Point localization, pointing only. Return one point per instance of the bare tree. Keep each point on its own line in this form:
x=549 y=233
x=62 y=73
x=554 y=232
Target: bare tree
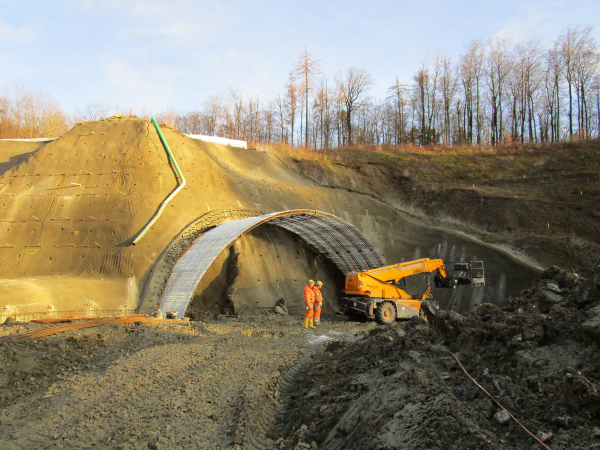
x=586 y=64
x=93 y=110
x=305 y=69
x=237 y=113
x=27 y=114
x=553 y=92
x=596 y=90
x=577 y=52
x=397 y=95
x=282 y=117
x=212 y=114
x=497 y=71
x=420 y=90
x=471 y=70
x=292 y=102
x=321 y=117
x=528 y=71
x=353 y=85
x=4 y=113
x=168 y=116
x=448 y=87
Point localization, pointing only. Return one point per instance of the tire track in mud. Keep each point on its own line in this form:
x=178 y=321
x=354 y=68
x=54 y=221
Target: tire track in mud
x=219 y=385
x=269 y=410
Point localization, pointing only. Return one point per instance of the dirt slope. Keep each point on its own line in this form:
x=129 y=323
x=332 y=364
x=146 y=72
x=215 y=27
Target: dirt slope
x=400 y=387
x=74 y=206
x=540 y=199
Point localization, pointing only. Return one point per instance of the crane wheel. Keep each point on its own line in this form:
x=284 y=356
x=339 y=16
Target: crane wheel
x=385 y=313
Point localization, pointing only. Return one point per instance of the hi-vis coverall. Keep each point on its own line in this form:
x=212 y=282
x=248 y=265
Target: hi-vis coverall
x=309 y=299
x=317 y=305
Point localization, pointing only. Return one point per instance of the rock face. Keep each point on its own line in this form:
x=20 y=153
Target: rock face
x=279 y=310
x=591 y=327
x=71 y=209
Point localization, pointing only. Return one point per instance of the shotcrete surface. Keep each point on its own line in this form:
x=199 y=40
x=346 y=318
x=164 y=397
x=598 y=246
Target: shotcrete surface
x=73 y=207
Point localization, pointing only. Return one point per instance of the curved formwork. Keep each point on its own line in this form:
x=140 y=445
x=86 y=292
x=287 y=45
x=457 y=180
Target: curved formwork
x=340 y=242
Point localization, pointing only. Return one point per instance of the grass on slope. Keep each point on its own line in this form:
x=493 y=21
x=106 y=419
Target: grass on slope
x=544 y=199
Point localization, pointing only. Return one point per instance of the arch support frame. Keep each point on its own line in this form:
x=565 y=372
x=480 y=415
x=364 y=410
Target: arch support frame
x=337 y=240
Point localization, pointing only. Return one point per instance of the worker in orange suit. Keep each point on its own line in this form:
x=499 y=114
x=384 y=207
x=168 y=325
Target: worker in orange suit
x=309 y=299
x=318 y=303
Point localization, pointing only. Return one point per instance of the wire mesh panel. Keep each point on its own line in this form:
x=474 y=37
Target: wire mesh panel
x=340 y=242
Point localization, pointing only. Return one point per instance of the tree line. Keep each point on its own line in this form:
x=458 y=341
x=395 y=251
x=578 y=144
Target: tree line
x=495 y=92
x=27 y=114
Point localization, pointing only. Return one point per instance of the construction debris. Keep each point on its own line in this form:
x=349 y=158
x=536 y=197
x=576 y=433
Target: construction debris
x=394 y=390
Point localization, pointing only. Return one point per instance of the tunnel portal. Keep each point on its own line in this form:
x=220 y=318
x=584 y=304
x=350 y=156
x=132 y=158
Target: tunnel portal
x=333 y=238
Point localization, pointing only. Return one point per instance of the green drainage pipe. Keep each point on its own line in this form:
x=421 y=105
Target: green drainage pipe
x=173 y=194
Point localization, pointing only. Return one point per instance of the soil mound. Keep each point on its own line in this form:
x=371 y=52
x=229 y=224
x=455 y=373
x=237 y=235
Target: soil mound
x=71 y=209
x=400 y=387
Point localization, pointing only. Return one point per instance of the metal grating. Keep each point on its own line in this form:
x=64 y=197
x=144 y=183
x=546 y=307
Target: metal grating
x=337 y=240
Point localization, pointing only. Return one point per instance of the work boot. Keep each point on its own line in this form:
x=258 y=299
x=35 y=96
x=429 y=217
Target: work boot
x=317 y=323
x=310 y=322
x=306 y=323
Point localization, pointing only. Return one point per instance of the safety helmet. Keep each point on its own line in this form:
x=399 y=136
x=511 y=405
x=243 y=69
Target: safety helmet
x=311 y=281
x=319 y=283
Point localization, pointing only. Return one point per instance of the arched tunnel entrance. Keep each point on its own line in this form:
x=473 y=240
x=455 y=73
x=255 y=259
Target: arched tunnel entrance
x=337 y=241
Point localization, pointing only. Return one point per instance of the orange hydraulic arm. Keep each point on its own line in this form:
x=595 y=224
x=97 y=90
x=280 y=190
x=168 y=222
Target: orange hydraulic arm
x=382 y=282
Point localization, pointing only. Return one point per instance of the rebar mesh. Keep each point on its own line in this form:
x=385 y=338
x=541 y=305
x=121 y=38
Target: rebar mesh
x=342 y=243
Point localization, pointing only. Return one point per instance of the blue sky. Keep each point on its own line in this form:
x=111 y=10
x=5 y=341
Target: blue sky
x=155 y=55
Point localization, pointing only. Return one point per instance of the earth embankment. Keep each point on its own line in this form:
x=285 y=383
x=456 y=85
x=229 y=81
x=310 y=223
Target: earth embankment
x=541 y=200
x=72 y=208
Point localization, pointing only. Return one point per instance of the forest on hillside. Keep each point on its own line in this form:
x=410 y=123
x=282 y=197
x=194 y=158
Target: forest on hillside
x=495 y=92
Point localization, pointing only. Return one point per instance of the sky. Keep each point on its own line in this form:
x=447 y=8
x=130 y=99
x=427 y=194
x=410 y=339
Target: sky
x=155 y=55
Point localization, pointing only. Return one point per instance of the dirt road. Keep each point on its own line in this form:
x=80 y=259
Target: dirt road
x=262 y=381
x=208 y=385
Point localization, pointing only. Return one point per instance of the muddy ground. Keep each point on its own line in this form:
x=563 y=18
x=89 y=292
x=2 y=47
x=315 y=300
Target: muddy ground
x=222 y=383
x=263 y=381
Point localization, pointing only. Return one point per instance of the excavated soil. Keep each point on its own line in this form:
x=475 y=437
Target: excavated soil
x=69 y=212
x=262 y=381
x=70 y=209
x=222 y=383
x=401 y=387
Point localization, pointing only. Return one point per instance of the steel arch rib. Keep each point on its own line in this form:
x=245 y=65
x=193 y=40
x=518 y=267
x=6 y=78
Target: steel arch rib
x=342 y=243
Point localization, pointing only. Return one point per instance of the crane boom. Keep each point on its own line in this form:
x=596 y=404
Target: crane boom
x=367 y=292
x=401 y=270
x=385 y=282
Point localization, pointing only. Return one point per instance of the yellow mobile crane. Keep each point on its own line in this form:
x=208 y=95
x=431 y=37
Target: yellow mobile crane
x=378 y=293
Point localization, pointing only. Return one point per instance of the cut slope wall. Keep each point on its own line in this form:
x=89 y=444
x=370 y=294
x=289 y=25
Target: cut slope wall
x=70 y=211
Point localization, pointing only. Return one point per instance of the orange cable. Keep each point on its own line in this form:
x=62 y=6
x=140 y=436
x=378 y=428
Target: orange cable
x=496 y=401
x=89 y=324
